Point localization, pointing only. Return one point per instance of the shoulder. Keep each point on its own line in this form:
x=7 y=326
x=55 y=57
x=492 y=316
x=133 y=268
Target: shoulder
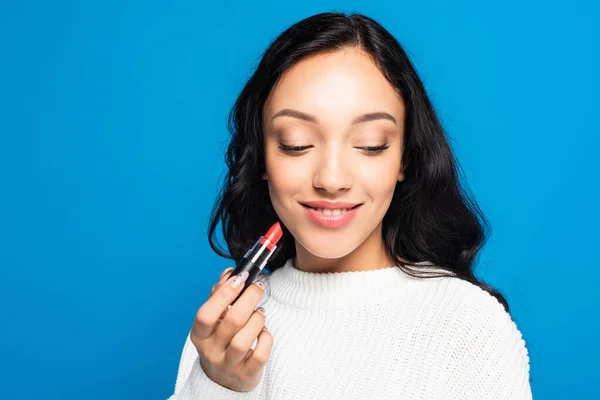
x=480 y=326
x=465 y=300
x=471 y=306
x=463 y=309
x=477 y=308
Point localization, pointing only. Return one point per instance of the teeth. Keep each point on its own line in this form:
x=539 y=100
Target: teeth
x=327 y=211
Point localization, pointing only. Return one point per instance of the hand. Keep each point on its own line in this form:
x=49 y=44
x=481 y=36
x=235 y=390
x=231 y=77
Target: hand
x=224 y=335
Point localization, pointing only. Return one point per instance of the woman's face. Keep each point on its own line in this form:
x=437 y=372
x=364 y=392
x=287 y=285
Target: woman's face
x=318 y=149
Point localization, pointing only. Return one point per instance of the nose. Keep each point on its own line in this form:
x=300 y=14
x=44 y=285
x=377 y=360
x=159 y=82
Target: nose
x=332 y=173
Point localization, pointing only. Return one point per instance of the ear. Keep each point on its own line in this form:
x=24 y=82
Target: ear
x=401 y=173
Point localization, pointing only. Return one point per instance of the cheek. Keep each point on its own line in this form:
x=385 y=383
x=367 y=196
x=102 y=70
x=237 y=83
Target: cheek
x=285 y=180
x=379 y=176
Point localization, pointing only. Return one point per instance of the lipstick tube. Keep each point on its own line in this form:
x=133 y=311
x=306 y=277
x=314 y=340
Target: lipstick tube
x=257 y=256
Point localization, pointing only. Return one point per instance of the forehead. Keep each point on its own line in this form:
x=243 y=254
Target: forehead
x=335 y=86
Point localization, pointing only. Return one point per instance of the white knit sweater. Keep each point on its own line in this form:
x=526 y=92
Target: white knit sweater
x=377 y=334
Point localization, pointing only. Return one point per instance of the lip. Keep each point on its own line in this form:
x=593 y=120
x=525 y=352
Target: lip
x=331 y=221
x=329 y=204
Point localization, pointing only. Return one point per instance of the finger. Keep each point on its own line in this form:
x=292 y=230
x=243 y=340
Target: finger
x=224 y=276
x=238 y=315
x=225 y=273
x=214 y=307
x=242 y=341
x=258 y=357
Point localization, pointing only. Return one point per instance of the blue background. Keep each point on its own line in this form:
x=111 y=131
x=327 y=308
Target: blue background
x=112 y=121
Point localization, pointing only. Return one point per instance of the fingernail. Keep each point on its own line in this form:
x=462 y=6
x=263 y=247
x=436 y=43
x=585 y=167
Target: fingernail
x=239 y=279
x=261 y=310
x=265 y=329
x=225 y=272
x=260 y=284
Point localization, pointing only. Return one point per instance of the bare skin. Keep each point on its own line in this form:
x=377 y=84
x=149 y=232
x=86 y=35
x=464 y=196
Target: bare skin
x=322 y=151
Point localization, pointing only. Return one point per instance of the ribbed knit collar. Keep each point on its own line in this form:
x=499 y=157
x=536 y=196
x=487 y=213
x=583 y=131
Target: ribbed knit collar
x=335 y=290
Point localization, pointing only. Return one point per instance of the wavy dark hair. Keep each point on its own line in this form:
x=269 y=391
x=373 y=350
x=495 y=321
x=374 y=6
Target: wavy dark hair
x=431 y=217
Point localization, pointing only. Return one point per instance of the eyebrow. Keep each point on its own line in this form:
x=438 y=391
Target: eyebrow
x=287 y=112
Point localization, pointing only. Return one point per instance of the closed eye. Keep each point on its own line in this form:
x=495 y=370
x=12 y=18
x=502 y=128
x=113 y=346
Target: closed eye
x=293 y=149
x=375 y=149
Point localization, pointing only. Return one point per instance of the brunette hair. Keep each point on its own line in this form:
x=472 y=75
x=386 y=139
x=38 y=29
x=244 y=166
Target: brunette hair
x=432 y=217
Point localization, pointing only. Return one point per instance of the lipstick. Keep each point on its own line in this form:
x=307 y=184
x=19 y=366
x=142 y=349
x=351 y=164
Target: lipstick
x=256 y=258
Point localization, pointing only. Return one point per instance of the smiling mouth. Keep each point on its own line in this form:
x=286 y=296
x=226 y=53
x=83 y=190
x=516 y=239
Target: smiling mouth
x=331 y=212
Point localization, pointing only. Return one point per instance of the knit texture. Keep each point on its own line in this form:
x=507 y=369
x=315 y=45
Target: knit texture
x=377 y=334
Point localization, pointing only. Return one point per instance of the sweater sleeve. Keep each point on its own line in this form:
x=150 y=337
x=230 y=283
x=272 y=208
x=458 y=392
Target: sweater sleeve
x=193 y=384
x=493 y=362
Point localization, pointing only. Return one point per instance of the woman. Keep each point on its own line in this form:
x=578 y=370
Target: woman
x=372 y=293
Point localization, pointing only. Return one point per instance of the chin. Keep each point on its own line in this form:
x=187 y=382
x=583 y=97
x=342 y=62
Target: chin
x=328 y=249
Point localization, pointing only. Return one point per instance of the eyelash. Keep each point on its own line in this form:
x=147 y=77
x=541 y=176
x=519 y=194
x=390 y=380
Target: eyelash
x=297 y=149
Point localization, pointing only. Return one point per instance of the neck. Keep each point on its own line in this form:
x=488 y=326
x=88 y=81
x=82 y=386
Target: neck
x=370 y=255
